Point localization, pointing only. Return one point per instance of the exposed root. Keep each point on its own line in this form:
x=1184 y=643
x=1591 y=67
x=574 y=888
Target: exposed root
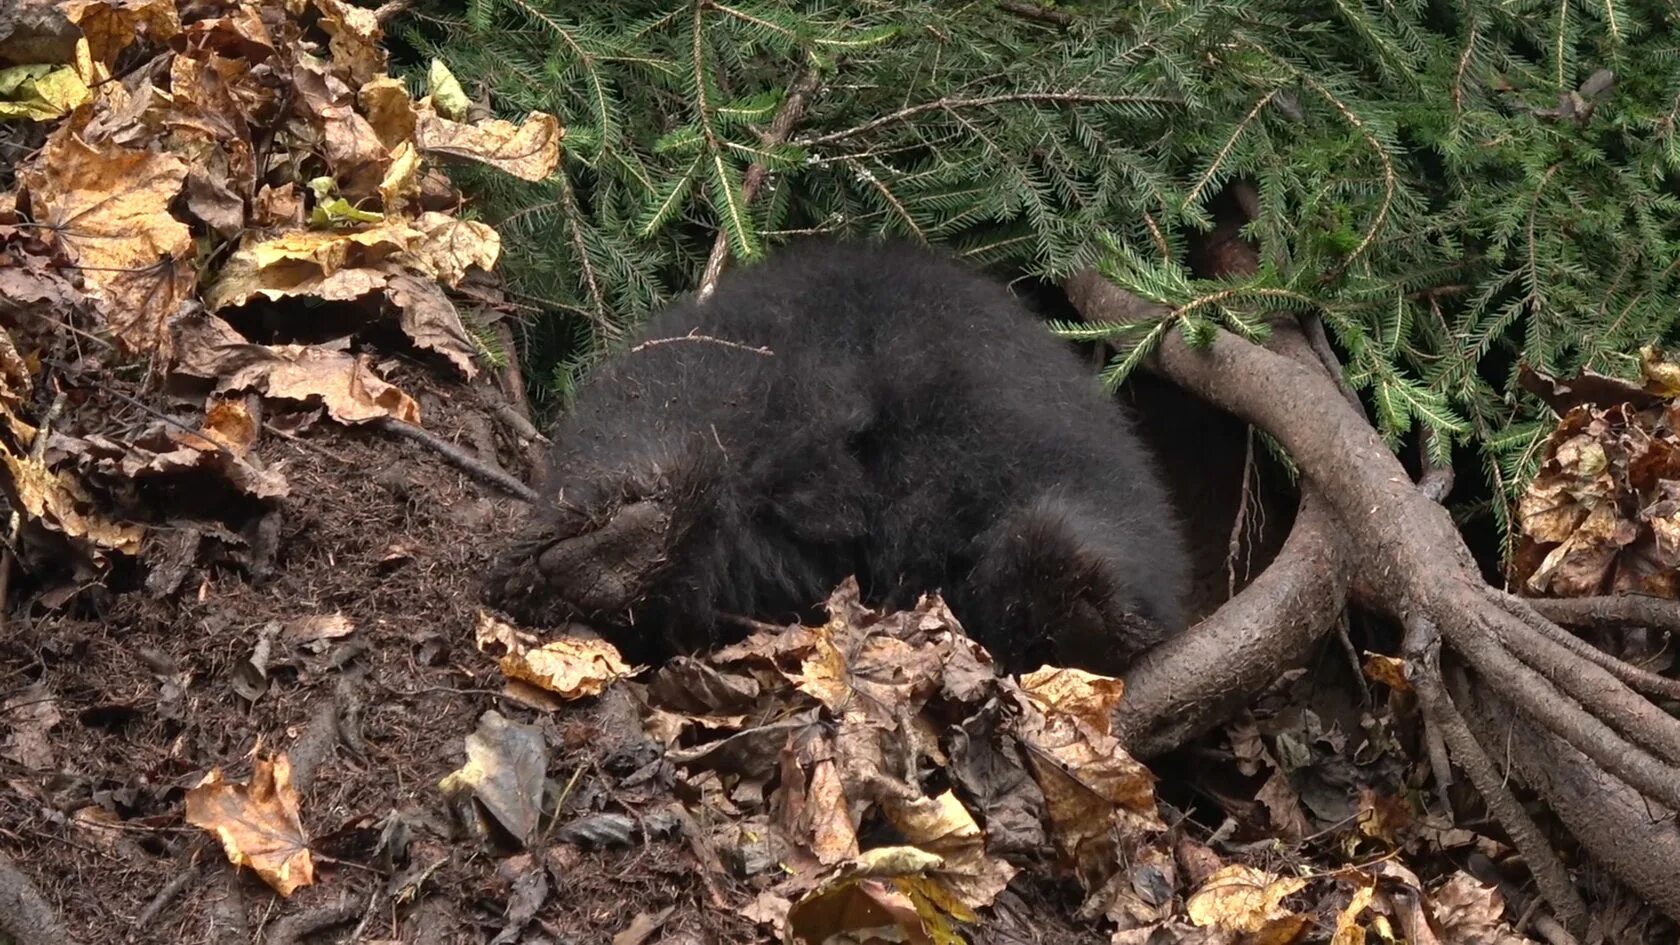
x=1612 y=743
x=1618 y=612
x=1423 y=659
x=26 y=918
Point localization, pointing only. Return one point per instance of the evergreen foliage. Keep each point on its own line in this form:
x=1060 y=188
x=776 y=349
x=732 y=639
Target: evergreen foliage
x=1452 y=189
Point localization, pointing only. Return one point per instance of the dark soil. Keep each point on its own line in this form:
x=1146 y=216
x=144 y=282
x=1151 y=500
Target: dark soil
x=148 y=692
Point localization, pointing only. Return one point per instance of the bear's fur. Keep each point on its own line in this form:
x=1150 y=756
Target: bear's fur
x=852 y=409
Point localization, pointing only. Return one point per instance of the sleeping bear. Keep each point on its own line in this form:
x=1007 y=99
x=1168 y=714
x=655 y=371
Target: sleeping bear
x=851 y=409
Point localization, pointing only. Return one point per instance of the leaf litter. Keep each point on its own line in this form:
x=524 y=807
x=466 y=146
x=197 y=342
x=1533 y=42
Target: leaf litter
x=249 y=254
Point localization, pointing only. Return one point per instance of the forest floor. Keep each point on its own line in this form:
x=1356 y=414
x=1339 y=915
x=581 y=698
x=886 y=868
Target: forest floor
x=249 y=693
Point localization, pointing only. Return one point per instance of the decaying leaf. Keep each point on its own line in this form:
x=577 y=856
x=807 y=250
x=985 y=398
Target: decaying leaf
x=506 y=764
x=1470 y=913
x=1086 y=696
x=573 y=668
x=1244 y=899
x=62 y=504
x=344 y=383
x=109 y=206
x=529 y=150
x=257 y=823
x=1600 y=515
x=111 y=26
x=1348 y=928
x=31 y=713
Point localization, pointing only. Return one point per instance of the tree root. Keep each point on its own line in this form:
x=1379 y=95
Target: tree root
x=1621 y=612
x=1613 y=745
x=1192 y=682
x=26 y=917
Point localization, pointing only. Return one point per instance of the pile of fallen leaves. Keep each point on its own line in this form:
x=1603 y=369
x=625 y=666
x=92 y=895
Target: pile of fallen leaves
x=220 y=200
x=1602 y=515
x=876 y=779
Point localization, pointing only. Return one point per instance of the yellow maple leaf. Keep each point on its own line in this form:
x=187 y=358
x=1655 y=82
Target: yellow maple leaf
x=109 y=206
x=257 y=823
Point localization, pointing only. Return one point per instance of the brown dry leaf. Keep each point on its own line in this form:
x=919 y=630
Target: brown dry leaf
x=59 y=502
x=529 y=150
x=1470 y=913
x=450 y=246
x=1578 y=566
x=489 y=631
x=335 y=266
x=833 y=835
x=109 y=206
x=352 y=149
x=277 y=207
x=1388 y=670
x=317 y=627
x=573 y=667
x=209 y=348
x=229 y=423
x=1383 y=816
x=1348 y=930
x=355 y=39
x=1244 y=899
x=112 y=25
x=389 y=111
x=257 y=823
x=864 y=901
x=943 y=826
x=1084 y=695
x=401 y=184
x=31 y=714
x=430 y=320
x=506 y=763
x=1662 y=377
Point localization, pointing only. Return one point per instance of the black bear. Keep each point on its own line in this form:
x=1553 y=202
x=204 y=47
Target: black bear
x=877 y=410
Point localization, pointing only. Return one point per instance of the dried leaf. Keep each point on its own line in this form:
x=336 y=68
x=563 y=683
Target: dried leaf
x=529 y=150
x=1243 y=899
x=1388 y=670
x=573 y=668
x=430 y=320
x=318 y=627
x=449 y=247
x=355 y=43
x=943 y=826
x=1086 y=696
x=389 y=110
x=31 y=714
x=111 y=26
x=229 y=423
x=344 y=384
x=506 y=763
x=1348 y=930
x=1470 y=913
x=62 y=504
x=40 y=92
x=257 y=823
x=110 y=209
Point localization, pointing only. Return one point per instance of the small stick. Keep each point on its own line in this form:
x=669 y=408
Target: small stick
x=458 y=457
x=793 y=108
x=705 y=339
